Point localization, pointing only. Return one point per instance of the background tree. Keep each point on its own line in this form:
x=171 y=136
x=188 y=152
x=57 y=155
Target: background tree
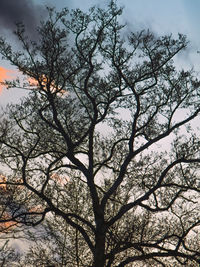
x=82 y=145
x=8 y=255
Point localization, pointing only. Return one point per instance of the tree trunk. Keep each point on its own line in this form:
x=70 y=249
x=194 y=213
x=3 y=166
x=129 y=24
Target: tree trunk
x=99 y=255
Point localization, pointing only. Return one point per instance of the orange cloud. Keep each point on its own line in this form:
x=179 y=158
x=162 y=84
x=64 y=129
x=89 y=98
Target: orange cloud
x=5 y=74
x=5 y=227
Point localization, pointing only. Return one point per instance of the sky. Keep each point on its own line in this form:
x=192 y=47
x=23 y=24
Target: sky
x=160 y=16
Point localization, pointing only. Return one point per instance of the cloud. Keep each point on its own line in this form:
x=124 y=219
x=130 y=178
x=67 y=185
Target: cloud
x=14 y=11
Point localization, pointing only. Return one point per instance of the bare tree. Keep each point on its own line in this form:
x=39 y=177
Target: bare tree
x=82 y=146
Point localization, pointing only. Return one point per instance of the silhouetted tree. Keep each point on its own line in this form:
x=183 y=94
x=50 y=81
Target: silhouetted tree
x=82 y=146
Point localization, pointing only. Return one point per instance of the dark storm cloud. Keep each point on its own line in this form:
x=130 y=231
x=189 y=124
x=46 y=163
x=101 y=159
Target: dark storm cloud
x=14 y=11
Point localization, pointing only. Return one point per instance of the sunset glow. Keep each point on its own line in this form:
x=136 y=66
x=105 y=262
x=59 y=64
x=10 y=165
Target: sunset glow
x=5 y=74
x=43 y=80
x=5 y=226
x=61 y=180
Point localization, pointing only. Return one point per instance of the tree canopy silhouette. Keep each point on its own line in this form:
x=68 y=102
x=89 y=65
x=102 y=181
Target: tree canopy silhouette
x=82 y=146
